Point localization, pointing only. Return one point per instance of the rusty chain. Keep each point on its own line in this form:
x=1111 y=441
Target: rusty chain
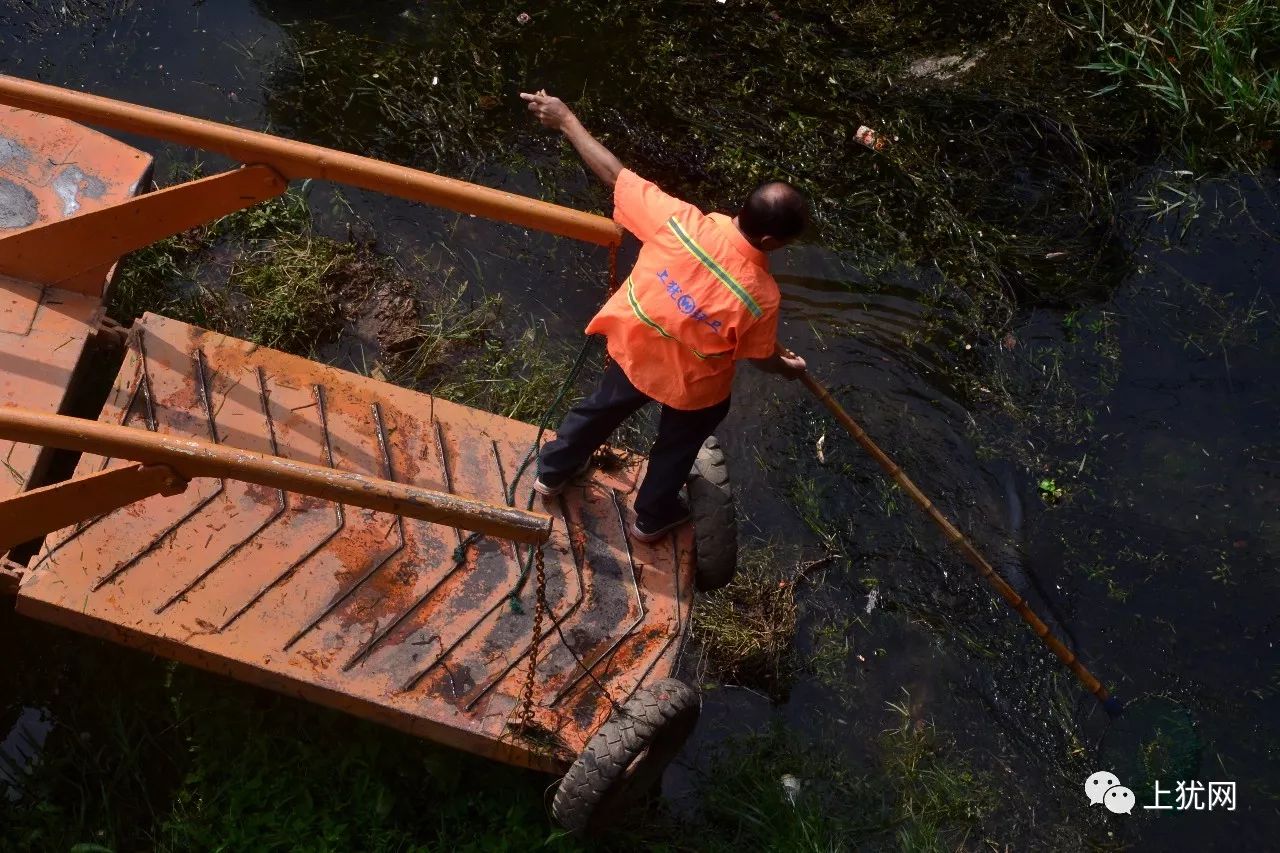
x=526 y=713
x=540 y=603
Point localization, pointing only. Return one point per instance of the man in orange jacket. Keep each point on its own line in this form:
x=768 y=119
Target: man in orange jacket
x=699 y=299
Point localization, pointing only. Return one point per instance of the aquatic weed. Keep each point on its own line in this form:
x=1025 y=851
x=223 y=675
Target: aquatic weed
x=1209 y=66
x=441 y=333
x=775 y=791
x=746 y=631
x=516 y=375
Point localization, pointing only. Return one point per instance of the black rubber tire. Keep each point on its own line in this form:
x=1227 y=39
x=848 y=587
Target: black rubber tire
x=715 y=519
x=626 y=756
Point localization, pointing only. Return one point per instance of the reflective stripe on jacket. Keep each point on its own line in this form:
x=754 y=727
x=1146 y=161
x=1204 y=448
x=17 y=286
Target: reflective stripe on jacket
x=699 y=298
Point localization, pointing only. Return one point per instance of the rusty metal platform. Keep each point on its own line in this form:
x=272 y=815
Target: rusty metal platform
x=51 y=169
x=404 y=622
x=43 y=335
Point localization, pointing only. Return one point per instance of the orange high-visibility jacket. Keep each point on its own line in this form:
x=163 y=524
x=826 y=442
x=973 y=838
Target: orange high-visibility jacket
x=699 y=298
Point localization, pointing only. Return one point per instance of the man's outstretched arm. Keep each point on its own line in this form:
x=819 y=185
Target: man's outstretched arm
x=553 y=113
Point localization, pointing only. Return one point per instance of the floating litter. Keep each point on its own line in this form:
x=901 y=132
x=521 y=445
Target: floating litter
x=790 y=787
x=871 y=139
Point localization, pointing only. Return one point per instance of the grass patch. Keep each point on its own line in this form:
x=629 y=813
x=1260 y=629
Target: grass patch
x=258 y=274
x=185 y=761
x=443 y=333
x=775 y=792
x=937 y=796
x=747 y=629
x=1208 y=67
x=287 y=293
x=165 y=275
x=463 y=350
x=832 y=650
x=515 y=375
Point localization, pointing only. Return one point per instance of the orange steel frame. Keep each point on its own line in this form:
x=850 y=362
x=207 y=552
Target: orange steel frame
x=297 y=160
x=40 y=254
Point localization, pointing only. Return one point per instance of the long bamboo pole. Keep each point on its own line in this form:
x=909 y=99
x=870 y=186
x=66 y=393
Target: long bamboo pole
x=190 y=458
x=955 y=537
x=296 y=160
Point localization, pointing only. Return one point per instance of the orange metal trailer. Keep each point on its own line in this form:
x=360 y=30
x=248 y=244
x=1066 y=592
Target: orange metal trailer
x=302 y=528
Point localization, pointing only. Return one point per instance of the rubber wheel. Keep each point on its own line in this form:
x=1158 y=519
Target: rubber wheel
x=625 y=758
x=715 y=520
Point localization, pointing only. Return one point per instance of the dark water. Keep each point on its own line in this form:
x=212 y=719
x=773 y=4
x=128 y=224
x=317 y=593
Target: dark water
x=1157 y=415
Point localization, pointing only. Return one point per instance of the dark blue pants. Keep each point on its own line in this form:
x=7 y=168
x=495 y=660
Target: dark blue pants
x=589 y=424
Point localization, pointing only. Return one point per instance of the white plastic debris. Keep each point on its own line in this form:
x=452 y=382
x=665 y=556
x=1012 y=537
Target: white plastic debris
x=942 y=67
x=790 y=787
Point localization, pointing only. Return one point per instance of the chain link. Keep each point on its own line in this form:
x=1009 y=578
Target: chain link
x=526 y=713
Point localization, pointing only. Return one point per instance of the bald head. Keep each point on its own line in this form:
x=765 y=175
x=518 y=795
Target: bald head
x=774 y=209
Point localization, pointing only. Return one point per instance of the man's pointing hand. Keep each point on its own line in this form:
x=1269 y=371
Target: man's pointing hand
x=550 y=110
x=553 y=113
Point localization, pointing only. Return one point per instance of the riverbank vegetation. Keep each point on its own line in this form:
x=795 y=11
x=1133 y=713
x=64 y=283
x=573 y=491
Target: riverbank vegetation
x=267 y=276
